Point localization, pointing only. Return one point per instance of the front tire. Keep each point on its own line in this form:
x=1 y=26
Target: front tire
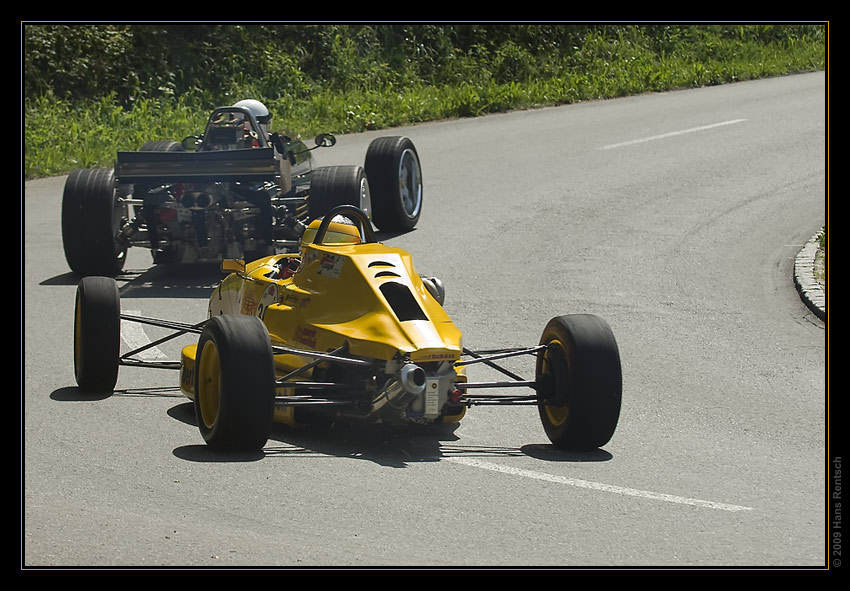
x=91 y=221
x=234 y=383
x=580 y=381
x=97 y=334
x=395 y=176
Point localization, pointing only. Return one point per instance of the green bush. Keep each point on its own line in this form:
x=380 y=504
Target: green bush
x=91 y=89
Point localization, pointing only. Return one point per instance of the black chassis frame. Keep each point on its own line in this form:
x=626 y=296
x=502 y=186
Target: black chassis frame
x=487 y=357
x=281 y=163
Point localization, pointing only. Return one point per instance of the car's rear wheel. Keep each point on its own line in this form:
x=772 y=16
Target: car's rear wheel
x=234 y=383
x=332 y=186
x=580 y=382
x=91 y=221
x=161 y=146
x=97 y=334
x=395 y=176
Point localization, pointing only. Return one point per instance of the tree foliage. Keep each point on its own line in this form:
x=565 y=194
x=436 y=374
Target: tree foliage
x=92 y=89
x=80 y=62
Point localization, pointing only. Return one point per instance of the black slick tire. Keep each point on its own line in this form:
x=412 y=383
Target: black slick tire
x=580 y=382
x=395 y=177
x=332 y=186
x=91 y=220
x=234 y=383
x=97 y=334
x=161 y=146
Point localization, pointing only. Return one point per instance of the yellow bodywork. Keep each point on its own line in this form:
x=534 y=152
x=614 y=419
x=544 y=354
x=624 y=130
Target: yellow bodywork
x=365 y=295
x=336 y=296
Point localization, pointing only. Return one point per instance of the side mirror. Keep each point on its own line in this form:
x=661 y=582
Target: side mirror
x=325 y=140
x=233 y=266
x=191 y=143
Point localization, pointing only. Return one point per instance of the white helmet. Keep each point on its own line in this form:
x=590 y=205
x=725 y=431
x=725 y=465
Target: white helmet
x=257 y=109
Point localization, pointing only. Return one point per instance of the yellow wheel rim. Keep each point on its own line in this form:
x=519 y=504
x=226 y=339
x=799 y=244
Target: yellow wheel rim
x=557 y=415
x=209 y=384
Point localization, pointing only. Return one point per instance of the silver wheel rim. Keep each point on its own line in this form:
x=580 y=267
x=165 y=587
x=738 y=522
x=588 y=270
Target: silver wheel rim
x=365 y=198
x=410 y=183
x=119 y=220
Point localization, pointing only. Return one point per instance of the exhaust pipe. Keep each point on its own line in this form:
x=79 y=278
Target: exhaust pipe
x=412 y=378
x=408 y=383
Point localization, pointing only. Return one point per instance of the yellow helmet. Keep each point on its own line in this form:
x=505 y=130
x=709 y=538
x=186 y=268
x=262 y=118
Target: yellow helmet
x=341 y=230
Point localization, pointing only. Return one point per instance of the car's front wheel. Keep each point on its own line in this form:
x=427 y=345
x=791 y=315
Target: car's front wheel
x=97 y=334
x=395 y=177
x=579 y=382
x=234 y=383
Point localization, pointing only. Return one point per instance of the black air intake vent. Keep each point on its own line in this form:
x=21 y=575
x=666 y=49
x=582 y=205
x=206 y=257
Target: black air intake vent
x=402 y=301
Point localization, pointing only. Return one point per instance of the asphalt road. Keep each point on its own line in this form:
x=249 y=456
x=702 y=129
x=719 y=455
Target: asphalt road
x=674 y=216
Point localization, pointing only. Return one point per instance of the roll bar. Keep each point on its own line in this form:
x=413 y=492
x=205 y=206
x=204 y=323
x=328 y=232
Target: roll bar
x=350 y=211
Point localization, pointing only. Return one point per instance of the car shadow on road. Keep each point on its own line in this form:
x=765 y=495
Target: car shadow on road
x=160 y=281
x=389 y=446
x=380 y=444
x=171 y=281
x=183 y=280
x=74 y=394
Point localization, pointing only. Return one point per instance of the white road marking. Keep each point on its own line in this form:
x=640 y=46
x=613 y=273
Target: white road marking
x=671 y=134
x=631 y=492
x=134 y=335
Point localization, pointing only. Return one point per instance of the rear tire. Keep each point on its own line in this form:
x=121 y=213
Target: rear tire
x=97 y=334
x=161 y=146
x=581 y=380
x=91 y=221
x=234 y=383
x=395 y=176
x=332 y=186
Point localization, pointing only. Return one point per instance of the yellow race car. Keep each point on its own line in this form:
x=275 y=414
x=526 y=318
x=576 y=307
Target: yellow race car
x=348 y=328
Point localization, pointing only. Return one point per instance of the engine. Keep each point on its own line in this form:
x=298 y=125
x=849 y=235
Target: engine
x=417 y=394
x=204 y=223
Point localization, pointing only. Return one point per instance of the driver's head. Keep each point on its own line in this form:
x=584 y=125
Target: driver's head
x=259 y=111
x=341 y=230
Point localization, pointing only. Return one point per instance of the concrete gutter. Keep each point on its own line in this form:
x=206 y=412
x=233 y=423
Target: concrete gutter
x=811 y=290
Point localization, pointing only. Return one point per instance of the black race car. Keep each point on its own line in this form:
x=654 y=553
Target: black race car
x=235 y=192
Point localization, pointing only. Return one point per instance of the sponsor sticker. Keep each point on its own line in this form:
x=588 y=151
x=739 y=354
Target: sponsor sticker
x=330 y=265
x=432 y=396
x=249 y=303
x=306 y=336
